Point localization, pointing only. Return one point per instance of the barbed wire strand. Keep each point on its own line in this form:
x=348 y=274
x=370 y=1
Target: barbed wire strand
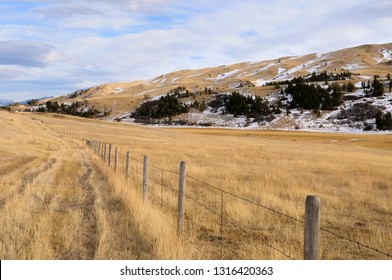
x=164 y=201
x=246 y=200
x=356 y=242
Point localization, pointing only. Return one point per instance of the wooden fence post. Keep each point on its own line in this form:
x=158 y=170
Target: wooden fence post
x=128 y=165
x=312 y=228
x=181 y=198
x=99 y=148
x=115 y=159
x=145 y=179
x=104 y=152
x=110 y=155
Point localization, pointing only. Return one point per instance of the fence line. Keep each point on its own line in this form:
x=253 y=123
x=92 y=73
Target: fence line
x=100 y=150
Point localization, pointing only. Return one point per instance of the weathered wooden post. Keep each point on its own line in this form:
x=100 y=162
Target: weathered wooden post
x=145 y=179
x=115 y=159
x=110 y=155
x=99 y=149
x=104 y=152
x=312 y=228
x=128 y=165
x=181 y=198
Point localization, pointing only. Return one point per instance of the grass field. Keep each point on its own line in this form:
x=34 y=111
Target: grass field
x=58 y=200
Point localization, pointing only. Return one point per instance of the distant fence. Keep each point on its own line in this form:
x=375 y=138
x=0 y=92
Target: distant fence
x=222 y=225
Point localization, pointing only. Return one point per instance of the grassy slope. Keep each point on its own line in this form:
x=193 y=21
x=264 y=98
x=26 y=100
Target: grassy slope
x=107 y=95
x=350 y=173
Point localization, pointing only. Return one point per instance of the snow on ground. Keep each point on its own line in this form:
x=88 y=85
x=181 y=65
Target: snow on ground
x=119 y=89
x=353 y=66
x=227 y=74
x=193 y=76
x=216 y=119
x=281 y=69
x=161 y=80
x=175 y=79
x=144 y=92
x=261 y=82
x=386 y=56
x=314 y=68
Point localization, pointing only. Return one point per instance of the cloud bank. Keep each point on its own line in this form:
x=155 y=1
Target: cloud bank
x=54 y=47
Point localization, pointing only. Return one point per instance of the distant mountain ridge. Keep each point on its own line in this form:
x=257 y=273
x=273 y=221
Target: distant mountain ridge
x=4 y=102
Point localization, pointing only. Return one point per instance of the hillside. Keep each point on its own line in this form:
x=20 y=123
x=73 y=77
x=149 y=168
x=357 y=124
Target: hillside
x=266 y=79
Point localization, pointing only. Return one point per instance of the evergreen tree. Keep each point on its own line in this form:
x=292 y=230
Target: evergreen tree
x=314 y=97
x=388 y=120
x=169 y=106
x=384 y=122
x=350 y=87
x=237 y=104
x=378 y=87
x=379 y=120
x=52 y=106
x=32 y=102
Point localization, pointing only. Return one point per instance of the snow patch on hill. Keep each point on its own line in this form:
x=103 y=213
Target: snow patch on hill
x=386 y=56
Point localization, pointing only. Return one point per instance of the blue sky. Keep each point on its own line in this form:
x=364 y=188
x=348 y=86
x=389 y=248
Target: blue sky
x=56 y=47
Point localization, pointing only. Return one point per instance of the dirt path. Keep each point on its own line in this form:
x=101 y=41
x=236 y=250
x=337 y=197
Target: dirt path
x=55 y=202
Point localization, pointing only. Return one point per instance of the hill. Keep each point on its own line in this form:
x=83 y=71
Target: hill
x=355 y=67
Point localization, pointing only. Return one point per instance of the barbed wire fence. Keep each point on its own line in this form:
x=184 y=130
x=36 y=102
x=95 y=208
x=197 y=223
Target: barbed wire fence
x=222 y=225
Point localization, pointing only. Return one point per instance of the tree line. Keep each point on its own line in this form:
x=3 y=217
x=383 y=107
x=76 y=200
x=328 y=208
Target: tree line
x=74 y=109
x=311 y=96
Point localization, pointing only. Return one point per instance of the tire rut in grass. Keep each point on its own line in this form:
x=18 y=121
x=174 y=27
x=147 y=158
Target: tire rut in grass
x=29 y=177
x=121 y=236
x=89 y=213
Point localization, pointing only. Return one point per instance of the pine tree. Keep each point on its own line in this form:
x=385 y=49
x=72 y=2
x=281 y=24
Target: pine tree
x=379 y=120
x=350 y=87
x=388 y=120
x=378 y=87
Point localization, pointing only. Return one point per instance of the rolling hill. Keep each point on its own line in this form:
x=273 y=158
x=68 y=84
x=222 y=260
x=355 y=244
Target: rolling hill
x=265 y=79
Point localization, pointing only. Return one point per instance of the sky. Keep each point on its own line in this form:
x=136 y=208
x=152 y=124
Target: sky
x=51 y=48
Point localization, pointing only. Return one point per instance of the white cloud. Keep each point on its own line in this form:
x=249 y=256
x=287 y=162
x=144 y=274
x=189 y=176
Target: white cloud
x=100 y=41
x=66 y=9
x=28 y=54
x=86 y=84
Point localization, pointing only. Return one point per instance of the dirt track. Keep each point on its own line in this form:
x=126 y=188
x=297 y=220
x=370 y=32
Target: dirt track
x=55 y=203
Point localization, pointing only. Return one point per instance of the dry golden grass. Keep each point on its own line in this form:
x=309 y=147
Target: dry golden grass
x=56 y=202
x=350 y=174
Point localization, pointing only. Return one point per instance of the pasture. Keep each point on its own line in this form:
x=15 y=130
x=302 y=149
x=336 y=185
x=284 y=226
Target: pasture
x=59 y=200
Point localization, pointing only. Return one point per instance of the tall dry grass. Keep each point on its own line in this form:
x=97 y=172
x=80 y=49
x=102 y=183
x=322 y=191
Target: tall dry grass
x=276 y=170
